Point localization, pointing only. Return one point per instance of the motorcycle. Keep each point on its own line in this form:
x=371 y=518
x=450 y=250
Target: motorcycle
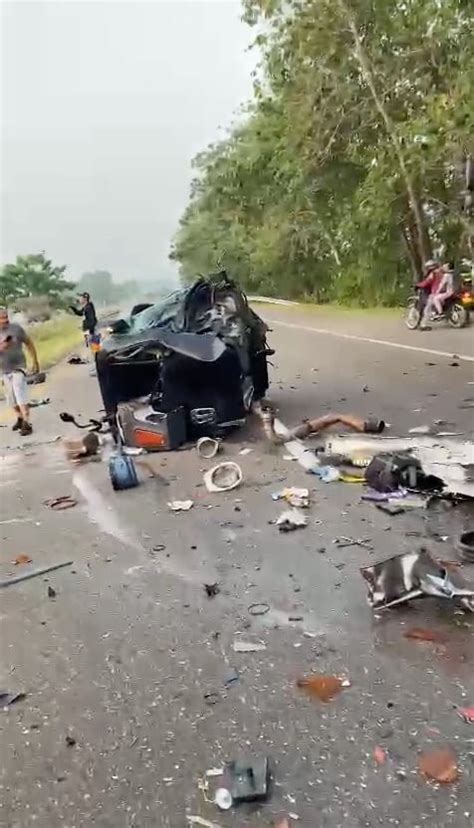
x=456 y=309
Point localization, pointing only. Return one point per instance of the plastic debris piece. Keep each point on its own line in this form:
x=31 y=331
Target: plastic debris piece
x=7 y=699
x=211 y=773
x=344 y=477
x=422 y=429
x=259 y=609
x=211 y=590
x=380 y=755
x=293 y=496
x=223 y=477
x=243 y=452
x=211 y=698
x=327 y=474
x=70 y=741
x=439 y=765
x=207 y=447
x=51 y=592
x=223 y=799
x=22 y=559
x=60 y=503
x=322 y=686
x=290 y=520
x=197 y=820
x=181 y=505
x=249 y=779
x=466 y=713
x=423 y=634
x=248 y=646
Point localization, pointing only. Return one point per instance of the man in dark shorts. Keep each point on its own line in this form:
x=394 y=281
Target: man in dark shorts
x=13 y=338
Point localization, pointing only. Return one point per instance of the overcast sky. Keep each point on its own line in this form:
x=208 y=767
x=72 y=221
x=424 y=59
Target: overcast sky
x=104 y=104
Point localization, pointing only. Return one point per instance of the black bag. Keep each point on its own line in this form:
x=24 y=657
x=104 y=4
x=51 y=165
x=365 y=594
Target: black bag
x=389 y=472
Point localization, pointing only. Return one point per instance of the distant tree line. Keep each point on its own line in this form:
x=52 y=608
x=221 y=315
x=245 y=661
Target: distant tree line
x=34 y=285
x=348 y=171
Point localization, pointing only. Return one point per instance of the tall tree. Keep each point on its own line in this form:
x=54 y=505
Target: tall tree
x=33 y=275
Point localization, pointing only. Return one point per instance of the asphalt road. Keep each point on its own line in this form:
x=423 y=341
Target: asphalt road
x=130 y=659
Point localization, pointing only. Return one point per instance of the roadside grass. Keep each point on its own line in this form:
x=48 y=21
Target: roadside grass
x=55 y=339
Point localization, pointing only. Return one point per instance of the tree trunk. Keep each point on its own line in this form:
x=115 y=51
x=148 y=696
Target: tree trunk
x=414 y=260
x=368 y=76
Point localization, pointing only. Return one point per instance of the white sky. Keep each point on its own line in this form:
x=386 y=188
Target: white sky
x=104 y=104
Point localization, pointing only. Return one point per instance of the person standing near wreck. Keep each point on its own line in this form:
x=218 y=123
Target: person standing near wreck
x=87 y=311
x=13 y=339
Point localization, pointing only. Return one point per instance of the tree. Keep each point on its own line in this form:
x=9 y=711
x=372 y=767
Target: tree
x=33 y=275
x=348 y=170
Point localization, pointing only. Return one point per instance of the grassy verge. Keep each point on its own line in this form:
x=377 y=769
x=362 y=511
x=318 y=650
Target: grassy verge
x=55 y=339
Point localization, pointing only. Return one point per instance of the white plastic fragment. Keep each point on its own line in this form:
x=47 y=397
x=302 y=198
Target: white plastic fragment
x=180 y=505
x=223 y=799
x=207 y=447
x=248 y=646
x=223 y=477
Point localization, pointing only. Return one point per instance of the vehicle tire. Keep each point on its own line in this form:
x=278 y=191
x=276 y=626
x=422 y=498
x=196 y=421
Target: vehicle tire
x=458 y=316
x=412 y=315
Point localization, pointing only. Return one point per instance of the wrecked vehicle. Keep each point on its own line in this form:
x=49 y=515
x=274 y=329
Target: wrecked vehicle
x=186 y=367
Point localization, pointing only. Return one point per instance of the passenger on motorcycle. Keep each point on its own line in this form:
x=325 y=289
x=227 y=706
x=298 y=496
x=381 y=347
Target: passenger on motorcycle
x=445 y=288
x=434 y=276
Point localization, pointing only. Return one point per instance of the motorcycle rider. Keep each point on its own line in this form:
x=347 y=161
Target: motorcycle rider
x=445 y=288
x=434 y=274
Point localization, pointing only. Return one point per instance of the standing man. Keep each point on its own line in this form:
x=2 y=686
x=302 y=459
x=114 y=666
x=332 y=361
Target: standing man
x=13 y=338
x=87 y=311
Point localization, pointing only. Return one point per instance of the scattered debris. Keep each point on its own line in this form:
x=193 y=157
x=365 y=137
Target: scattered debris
x=439 y=765
x=38 y=403
x=466 y=713
x=181 y=505
x=87 y=446
x=207 y=447
x=422 y=429
x=7 y=699
x=248 y=646
x=327 y=474
x=380 y=755
x=391 y=471
x=243 y=452
x=74 y=359
x=58 y=504
x=213 y=772
x=293 y=496
x=249 y=779
x=259 y=609
x=22 y=559
x=197 y=820
x=51 y=592
x=413 y=575
x=423 y=634
x=211 y=698
x=70 y=741
x=223 y=477
x=212 y=590
x=319 y=424
x=33 y=574
x=223 y=799
x=343 y=542
x=290 y=520
x=133 y=451
x=122 y=471
x=322 y=686
x=36 y=379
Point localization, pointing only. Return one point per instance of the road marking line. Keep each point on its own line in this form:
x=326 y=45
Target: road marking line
x=388 y=343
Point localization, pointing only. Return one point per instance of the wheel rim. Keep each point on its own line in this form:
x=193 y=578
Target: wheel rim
x=412 y=317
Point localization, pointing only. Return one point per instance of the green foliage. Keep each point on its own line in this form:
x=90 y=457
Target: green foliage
x=33 y=275
x=347 y=170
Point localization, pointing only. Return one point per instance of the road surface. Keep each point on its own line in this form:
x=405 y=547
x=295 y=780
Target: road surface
x=129 y=661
